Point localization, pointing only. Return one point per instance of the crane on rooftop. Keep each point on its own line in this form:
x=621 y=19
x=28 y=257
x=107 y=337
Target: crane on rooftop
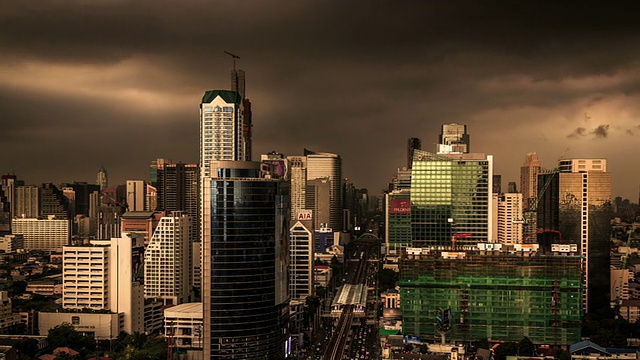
x=234 y=58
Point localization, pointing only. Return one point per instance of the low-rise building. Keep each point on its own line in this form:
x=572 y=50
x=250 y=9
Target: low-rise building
x=183 y=324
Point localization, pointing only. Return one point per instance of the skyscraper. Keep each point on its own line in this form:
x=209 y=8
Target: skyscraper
x=103 y=178
x=454 y=139
x=223 y=129
x=529 y=188
x=578 y=204
x=178 y=187
x=509 y=212
x=301 y=265
x=136 y=195
x=329 y=166
x=451 y=195
x=245 y=260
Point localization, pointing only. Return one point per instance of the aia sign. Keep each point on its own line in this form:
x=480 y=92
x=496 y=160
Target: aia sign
x=305 y=215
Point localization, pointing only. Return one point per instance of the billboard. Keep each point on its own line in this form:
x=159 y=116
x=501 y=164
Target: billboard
x=400 y=206
x=305 y=215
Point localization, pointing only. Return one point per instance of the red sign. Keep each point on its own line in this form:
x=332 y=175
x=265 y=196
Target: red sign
x=400 y=206
x=304 y=215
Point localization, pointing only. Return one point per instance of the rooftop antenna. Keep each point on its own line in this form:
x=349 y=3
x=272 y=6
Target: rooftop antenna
x=234 y=59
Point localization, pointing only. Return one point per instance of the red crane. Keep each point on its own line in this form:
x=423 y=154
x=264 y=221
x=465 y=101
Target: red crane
x=454 y=237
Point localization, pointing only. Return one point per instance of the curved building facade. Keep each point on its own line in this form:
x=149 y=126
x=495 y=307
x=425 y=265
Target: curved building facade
x=245 y=258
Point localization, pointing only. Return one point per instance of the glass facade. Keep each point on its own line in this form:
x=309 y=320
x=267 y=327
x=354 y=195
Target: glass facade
x=450 y=194
x=398 y=221
x=501 y=297
x=578 y=204
x=245 y=251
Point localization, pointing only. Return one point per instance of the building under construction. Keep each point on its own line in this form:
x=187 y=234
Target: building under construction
x=498 y=295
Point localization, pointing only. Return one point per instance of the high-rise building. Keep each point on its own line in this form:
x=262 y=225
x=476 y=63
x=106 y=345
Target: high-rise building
x=136 y=195
x=223 y=129
x=245 y=260
x=53 y=202
x=167 y=260
x=178 y=187
x=318 y=200
x=397 y=221
x=509 y=214
x=412 y=144
x=451 y=196
x=27 y=201
x=329 y=166
x=140 y=222
x=298 y=184
x=529 y=188
x=577 y=203
x=301 y=283
x=453 y=139
x=102 y=179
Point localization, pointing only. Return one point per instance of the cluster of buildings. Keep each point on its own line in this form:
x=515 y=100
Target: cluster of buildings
x=475 y=262
x=220 y=256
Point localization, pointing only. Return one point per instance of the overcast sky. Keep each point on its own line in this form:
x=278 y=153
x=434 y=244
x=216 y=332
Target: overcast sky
x=117 y=83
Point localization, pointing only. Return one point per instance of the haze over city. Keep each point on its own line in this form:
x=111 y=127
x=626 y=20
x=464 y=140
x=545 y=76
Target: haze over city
x=118 y=83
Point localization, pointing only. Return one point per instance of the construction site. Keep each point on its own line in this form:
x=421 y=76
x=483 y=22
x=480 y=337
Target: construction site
x=491 y=293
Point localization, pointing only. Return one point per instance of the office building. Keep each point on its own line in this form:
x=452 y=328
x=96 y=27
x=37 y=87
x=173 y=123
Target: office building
x=577 y=203
x=397 y=221
x=529 y=188
x=491 y=295
x=509 y=219
x=451 y=199
x=453 y=139
x=245 y=288
x=223 y=130
x=12 y=243
x=102 y=180
x=136 y=195
x=298 y=184
x=49 y=234
x=318 y=200
x=27 y=201
x=167 y=260
x=53 y=202
x=85 y=277
x=322 y=165
x=412 y=144
x=178 y=189
x=183 y=324
x=301 y=280
x=140 y=222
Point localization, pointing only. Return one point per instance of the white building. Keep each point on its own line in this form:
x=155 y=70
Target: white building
x=27 y=201
x=301 y=281
x=327 y=165
x=510 y=220
x=223 y=132
x=107 y=276
x=167 y=260
x=298 y=184
x=85 y=277
x=49 y=234
x=183 y=324
x=12 y=243
x=98 y=326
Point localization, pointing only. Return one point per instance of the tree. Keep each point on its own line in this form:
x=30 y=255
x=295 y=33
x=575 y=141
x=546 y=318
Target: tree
x=65 y=335
x=424 y=348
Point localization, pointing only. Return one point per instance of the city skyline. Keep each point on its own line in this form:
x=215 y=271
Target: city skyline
x=117 y=83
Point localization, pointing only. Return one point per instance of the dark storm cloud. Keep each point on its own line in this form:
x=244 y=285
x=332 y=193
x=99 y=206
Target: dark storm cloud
x=355 y=78
x=601 y=131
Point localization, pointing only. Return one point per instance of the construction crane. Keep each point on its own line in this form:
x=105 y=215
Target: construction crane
x=234 y=58
x=455 y=237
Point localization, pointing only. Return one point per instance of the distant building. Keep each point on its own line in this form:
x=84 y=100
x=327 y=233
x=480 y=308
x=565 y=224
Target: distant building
x=529 y=188
x=136 y=195
x=12 y=243
x=397 y=221
x=140 y=222
x=8 y=320
x=510 y=218
x=27 y=201
x=412 y=144
x=102 y=179
x=167 y=260
x=453 y=139
x=49 y=234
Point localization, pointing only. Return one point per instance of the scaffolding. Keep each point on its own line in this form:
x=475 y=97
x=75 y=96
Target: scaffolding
x=495 y=295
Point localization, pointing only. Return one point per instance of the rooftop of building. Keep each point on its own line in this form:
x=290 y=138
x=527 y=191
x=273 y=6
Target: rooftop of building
x=192 y=309
x=226 y=95
x=138 y=214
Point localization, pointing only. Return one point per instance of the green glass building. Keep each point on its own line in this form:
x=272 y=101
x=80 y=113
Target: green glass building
x=398 y=221
x=450 y=195
x=493 y=295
